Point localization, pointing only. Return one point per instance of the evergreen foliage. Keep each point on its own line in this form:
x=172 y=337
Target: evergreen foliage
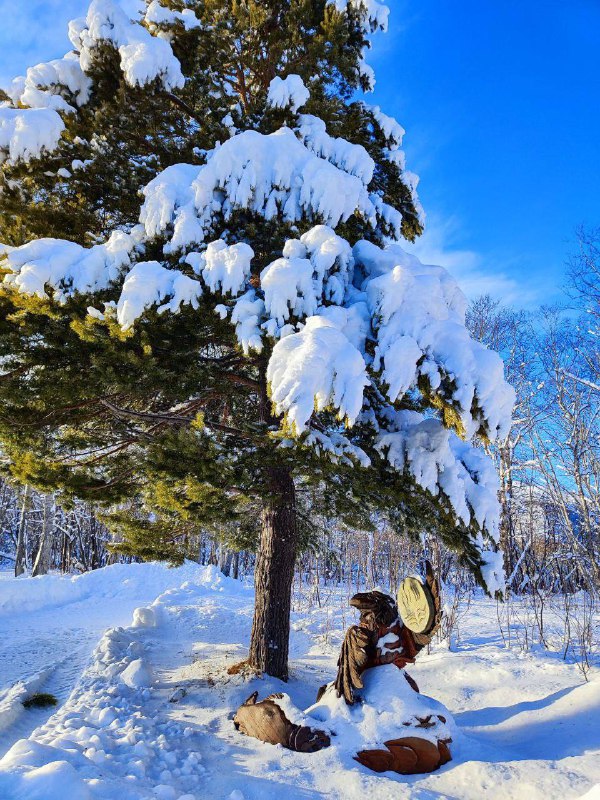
x=40 y=700
x=169 y=421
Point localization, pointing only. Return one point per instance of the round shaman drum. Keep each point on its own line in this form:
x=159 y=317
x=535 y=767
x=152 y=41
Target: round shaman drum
x=415 y=604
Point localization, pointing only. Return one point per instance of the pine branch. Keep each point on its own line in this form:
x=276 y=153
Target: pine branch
x=127 y=413
x=177 y=101
x=173 y=419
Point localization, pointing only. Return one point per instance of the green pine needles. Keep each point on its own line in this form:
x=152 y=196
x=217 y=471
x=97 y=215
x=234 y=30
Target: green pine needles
x=202 y=325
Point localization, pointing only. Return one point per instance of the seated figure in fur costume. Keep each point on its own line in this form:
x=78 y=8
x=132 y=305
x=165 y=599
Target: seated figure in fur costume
x=380 y=639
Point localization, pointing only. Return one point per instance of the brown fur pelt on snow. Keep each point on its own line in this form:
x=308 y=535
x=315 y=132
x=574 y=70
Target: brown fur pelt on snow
x=408 y=755
x=266 y=721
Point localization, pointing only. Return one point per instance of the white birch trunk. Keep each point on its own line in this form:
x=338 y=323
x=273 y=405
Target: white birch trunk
x=42 y=559
x=20 y=554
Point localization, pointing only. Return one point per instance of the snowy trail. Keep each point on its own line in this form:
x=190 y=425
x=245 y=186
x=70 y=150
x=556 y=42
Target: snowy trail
x=527 y=724
x=51 y=625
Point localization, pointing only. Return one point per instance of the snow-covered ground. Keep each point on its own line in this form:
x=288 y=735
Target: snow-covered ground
x=527 y=723
x=51 y=625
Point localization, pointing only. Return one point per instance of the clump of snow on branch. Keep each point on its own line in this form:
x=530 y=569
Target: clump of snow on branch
x=45 y=90
x=224 y=268
x=144 y=57
x=45 y=85
x=411 y=179
x=391 y=128
x=374 y=17
x=148 y=284
x=393 y=133
x=492 y=571
x=26 y=133
x=353 y=319
x=419 y=322
x=337 y=447
x=288 y=286
x=367 y=73
x=67 y=267
x=247 y=315
x=352 y=158
x=169 y=197
x=273 y=175
x=441 y=462
x=332 y=261
x=313 y=269
x=156 y=15
x=289 y=92
x=315 y=369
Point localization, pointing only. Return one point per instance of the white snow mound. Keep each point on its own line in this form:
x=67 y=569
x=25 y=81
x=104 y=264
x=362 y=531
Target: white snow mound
x=388 y=702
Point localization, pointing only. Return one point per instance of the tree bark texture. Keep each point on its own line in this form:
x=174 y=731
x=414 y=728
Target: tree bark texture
x=20 y=555
x=42 y=559
x=273 y=578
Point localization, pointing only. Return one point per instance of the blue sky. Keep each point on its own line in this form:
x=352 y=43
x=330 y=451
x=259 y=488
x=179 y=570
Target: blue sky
x=501 y=104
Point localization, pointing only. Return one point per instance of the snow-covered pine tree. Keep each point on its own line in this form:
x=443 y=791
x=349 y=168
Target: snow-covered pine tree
x=256 y=330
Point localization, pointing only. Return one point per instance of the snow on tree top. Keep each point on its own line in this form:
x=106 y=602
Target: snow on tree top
x=353 y=330
x=53 y=87
x=375 y=13
x=289 y=92
x=46 y=89
x=144 y=57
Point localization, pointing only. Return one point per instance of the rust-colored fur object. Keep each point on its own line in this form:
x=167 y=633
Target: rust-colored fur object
x=408 y=755
x=266 y=721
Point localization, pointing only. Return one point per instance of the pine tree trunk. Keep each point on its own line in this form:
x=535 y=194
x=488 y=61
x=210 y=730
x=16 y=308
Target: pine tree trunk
x=20 y=554
x=273 y=576
x=42 y=559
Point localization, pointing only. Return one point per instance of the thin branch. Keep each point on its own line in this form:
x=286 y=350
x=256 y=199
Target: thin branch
x=127 y=413
x=583 y=381
x=177 y=101
x=174 y=419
